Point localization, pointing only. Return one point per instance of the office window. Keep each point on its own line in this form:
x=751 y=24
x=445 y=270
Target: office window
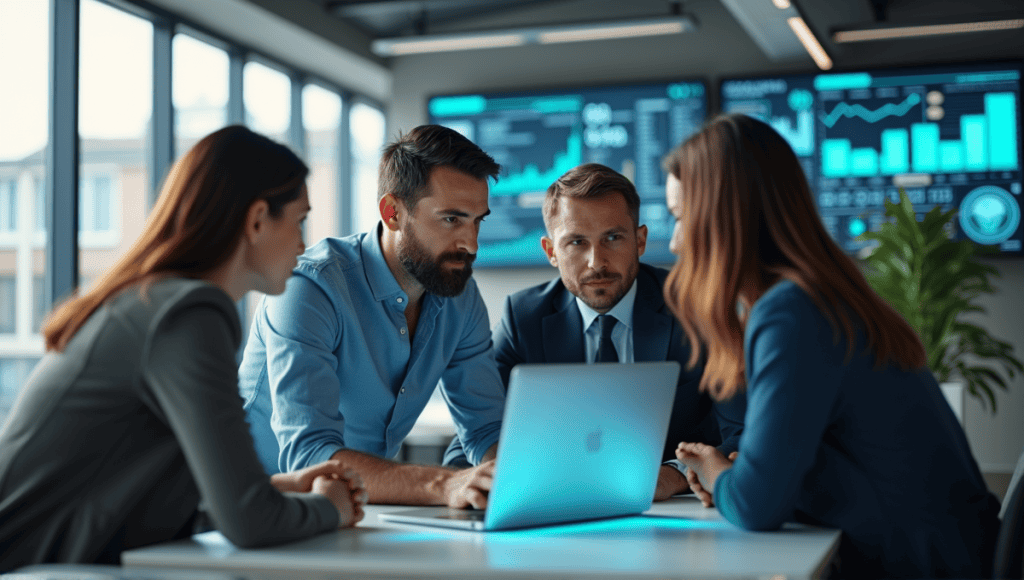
x=39 y=190
x=267 y=97
x=8 y=304
x=8 y=206
x=321 y=117
x=24 y=98
x=367 y=127
x=115 y=109
x=97 y=211
x=200 y=90
x=39 y=306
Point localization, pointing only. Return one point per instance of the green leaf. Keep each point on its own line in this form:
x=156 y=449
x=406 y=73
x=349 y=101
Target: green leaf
x=933 y=282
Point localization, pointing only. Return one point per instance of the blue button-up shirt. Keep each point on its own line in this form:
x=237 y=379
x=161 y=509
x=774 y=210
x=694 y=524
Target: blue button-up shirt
x=330 y=365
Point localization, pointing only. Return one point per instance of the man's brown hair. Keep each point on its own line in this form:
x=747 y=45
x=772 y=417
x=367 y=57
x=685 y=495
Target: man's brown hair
x=591 y=181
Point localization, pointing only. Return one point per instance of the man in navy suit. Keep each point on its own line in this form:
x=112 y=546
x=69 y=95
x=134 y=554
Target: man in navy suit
x=607 y=307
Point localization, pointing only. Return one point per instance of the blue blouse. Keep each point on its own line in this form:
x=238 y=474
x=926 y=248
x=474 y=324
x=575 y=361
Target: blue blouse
x=875 y=452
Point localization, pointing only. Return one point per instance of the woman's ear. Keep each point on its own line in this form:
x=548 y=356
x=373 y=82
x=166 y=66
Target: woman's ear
x=256 y=220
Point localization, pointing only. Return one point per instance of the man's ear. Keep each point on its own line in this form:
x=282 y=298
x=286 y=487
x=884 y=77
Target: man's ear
x=389 y=207
x=641 y=240
x=256 y=220
x=549 y=250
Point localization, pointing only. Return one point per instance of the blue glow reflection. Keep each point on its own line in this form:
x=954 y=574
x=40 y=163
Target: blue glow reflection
x=618 y=526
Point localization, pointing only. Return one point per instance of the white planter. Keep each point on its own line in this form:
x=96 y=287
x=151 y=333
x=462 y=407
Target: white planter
x=954 y=393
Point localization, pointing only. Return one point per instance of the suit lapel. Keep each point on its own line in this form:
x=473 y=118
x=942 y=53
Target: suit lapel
x=652 y=326
x=563 y=331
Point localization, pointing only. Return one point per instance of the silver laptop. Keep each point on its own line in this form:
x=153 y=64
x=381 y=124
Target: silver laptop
x=578 y=442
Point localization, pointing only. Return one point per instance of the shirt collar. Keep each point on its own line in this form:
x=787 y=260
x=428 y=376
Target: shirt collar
x=623 y=311
x=382 y=281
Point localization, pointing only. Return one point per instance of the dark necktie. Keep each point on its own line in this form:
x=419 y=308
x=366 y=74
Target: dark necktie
x=605 y=348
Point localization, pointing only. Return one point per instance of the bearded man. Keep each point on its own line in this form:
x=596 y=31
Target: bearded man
x=341 y=365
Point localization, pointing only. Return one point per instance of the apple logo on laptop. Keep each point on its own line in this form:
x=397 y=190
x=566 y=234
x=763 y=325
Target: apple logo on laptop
x=594 y=441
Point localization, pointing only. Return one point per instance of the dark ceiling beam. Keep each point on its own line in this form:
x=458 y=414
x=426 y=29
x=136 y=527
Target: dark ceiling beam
x=421 y=13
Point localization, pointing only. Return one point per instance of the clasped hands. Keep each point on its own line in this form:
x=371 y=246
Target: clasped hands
x=333 y=480
x=704 y=464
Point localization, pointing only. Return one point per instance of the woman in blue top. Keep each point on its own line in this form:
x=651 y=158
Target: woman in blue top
x=845 y=425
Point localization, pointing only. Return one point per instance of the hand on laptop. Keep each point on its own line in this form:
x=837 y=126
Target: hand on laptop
x=670 y=482
x=705 y=463
x=469 y=487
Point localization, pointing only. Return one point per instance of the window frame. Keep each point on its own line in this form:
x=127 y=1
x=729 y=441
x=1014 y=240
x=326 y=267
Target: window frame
x=63 y=162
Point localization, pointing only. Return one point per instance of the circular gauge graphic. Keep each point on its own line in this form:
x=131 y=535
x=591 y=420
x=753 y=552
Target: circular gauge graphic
x=856 y=227
x=989 y=215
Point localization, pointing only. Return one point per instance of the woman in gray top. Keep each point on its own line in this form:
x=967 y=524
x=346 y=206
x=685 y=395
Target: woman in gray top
x=131 y=426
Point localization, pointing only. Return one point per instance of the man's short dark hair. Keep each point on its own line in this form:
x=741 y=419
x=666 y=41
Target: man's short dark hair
x=406 y=164
x=591 y=181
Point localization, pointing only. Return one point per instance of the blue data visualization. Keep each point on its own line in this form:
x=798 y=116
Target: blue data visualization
x=949 y=135
x=537 y=136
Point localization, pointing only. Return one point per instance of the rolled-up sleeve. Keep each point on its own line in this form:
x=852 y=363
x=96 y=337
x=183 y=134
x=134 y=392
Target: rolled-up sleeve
x=301 y=330
x=472 y=386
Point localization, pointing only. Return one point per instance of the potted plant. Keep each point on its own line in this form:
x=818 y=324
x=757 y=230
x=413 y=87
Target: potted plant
x=933 y=281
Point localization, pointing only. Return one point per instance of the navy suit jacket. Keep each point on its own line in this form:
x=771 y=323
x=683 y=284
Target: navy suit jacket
x=543 y=324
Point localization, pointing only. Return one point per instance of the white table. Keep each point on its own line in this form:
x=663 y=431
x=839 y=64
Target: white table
x=675 y=539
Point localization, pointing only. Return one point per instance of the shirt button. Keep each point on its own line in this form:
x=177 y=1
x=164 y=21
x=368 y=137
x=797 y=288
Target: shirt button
x=402 y=331
x=400 y=300
x=403 y=390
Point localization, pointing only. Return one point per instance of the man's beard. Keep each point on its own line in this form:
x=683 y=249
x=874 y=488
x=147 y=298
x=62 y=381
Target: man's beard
x=430 y=272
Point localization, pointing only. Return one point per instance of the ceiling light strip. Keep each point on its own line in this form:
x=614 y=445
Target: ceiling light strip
x=413 y=46
x=810 y=43
x=610 y=32
x=926 y=30
x=545 y=35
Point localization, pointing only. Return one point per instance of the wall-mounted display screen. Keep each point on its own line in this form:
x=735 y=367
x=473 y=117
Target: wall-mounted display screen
x=950 y=136
x=539 y=135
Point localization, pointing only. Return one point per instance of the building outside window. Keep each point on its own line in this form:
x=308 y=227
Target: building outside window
x=8 y=205
x=8 y=304
x=98 y=211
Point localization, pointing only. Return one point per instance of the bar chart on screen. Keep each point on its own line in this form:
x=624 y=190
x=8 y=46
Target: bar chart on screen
x=947 y=135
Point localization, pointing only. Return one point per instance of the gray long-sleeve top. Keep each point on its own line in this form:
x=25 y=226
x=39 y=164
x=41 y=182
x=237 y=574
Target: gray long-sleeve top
x=114 y=442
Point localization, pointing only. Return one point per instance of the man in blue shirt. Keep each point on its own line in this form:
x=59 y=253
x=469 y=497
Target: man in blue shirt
x=341 y=365
x=607 y=307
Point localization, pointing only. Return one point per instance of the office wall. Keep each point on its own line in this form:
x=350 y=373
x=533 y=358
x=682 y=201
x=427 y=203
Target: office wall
x=719 y=49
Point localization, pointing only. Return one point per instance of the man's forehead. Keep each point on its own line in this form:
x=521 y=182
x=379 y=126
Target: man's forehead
x=455 y=201
x=585 y=215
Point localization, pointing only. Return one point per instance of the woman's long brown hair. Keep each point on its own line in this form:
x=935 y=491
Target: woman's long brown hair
x=197 y=221
x=748 y=221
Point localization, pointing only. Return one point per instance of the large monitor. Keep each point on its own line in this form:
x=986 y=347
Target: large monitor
x=949 y=135
x=537 y=136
